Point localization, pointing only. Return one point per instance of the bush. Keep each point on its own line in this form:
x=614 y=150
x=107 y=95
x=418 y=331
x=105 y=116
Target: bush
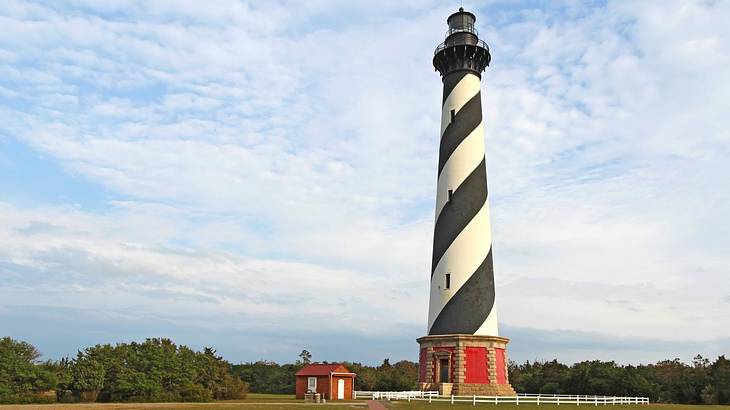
x=22 y=378
x=66 y=396
x=232 y=388
x=195 y=393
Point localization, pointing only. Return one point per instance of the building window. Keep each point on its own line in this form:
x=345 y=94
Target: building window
x=451 y=194
x=453 y=115
x=448 y=281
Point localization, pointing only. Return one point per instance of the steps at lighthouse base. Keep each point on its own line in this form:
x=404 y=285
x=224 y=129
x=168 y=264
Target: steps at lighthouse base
x=471 y=389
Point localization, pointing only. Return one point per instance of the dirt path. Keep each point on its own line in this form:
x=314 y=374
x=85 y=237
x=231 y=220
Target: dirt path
x=376 y=405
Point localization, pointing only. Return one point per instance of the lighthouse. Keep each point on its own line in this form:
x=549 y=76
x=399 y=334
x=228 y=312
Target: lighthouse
x=462 y=353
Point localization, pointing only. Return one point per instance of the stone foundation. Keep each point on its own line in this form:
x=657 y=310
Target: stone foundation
x=477 y=365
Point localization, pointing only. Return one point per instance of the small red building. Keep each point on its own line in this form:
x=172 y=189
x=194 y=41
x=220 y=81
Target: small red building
x=332 y=381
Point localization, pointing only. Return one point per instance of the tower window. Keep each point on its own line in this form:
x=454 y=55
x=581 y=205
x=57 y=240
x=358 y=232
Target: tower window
x=448 y=281
x=453 y=115
x=451 y=194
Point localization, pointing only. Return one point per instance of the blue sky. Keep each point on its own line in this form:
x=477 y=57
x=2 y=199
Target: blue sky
x=259 y=177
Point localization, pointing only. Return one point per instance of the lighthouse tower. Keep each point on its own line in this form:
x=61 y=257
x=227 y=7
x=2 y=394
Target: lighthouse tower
x=462 y=353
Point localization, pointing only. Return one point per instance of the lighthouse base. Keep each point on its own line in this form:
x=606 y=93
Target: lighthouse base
x=463 y=364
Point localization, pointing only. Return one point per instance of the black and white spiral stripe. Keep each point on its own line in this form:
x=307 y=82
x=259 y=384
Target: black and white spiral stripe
x=462 y=244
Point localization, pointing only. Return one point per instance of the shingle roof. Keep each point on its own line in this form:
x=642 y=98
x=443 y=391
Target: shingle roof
x=322 y=369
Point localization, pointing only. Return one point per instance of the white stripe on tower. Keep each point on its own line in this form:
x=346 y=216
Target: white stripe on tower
x=461 y=260
x=462 y=236
x=459 y=166
x=464 y=90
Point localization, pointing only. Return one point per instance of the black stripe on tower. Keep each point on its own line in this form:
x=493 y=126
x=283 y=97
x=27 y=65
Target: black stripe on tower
x=469 y=308
x=450 y=82
x=465 y=203
x=465 y=121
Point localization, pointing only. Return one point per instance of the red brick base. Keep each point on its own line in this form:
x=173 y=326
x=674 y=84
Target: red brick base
x=467 y=373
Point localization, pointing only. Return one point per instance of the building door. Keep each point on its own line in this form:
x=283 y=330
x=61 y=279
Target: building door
x=312 y=384
x=444 y=371
x=340 y=389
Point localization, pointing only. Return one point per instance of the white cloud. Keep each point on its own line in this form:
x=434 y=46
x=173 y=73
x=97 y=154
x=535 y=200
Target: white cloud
x=292 y=148
x=75 y=260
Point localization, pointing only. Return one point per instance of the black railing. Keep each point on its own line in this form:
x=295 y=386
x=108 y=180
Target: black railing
x=480 y=43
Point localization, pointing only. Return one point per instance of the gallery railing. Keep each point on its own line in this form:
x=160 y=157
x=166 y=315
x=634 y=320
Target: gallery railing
x=479 y=43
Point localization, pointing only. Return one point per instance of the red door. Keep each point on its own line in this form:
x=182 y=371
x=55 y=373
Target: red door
x=476 y=365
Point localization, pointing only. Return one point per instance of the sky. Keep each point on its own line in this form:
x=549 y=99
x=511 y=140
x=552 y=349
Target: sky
x=260 y=177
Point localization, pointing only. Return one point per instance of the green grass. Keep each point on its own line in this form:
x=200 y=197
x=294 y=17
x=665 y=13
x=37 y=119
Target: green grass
x=252 y=401
x=269 y=397
x=285 y=402
x=239 y=405
x=417 y=405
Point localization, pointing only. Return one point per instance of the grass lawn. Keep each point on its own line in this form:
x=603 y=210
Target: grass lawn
x=417 y=405
x=252 y=401
x=283 y=402
x=269 y=397
x=238 y=405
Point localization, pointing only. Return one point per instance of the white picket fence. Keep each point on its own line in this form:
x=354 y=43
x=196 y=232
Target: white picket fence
x=395 y=395
x=538 y=399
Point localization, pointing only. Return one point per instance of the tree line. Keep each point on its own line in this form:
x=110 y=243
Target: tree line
x=160 y=370
x=668 y=381
x=155 y=370
x=270 y=377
